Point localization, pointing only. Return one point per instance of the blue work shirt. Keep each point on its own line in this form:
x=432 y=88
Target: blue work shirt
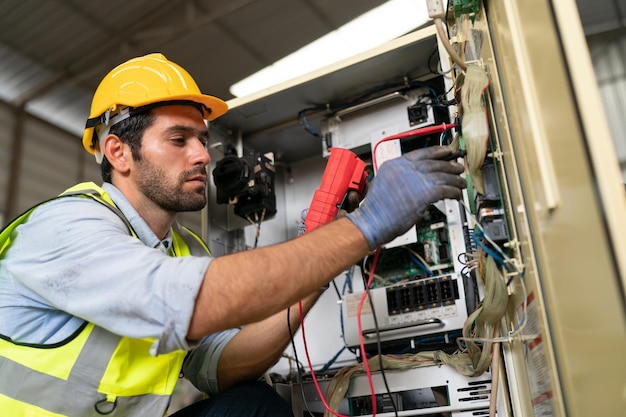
x=75 y=261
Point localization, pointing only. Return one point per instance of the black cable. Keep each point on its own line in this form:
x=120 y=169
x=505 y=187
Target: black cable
x=336 y=289
x=430 y=59
x=443 y=101
x=299 y=371
x=379 y=348
x=334 y=107
x=405 y=83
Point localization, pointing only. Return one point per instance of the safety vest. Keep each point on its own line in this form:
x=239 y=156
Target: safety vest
x=93 y=372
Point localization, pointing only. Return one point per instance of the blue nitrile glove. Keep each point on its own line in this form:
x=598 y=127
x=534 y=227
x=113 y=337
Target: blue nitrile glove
x=403 y=190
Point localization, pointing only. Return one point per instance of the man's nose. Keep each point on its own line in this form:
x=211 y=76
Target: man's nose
x=200 y=153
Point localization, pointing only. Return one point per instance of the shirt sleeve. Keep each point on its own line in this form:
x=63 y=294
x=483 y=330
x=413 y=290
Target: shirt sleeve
x=200 y=366
x=76 y=257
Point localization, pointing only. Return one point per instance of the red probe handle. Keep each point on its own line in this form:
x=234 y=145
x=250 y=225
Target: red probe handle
x=344 y=172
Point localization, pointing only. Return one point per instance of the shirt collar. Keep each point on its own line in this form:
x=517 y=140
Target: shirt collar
x=144 y=233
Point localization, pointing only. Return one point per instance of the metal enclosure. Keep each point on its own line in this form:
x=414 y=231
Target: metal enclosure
x=563 y=196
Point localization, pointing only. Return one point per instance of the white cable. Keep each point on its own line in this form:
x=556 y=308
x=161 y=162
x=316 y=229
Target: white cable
x=441 y=30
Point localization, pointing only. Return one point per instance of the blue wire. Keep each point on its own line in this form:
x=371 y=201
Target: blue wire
x=420 y=264
x=332 y=360
x=304 y=122
x=348 y=281
x=499 y=260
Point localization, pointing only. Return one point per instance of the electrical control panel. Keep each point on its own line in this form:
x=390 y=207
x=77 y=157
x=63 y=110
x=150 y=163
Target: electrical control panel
x=426 y=391
x=477 y=276
x=405 y=311
x=420 y=279
x=424 y=285
x=419 y=289
x=358 y=126
x=419 y=391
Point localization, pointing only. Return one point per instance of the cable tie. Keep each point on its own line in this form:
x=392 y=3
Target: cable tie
x=436 y=359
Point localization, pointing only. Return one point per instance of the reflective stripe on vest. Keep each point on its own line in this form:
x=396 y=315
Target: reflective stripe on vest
x=94 y=372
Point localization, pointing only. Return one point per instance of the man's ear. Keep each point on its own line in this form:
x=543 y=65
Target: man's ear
x=117 y=153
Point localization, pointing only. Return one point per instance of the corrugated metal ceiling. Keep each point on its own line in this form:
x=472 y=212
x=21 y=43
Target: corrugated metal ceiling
x=54 y=53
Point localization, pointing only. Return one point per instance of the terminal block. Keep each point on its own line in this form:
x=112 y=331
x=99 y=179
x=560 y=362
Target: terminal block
x=422 y=294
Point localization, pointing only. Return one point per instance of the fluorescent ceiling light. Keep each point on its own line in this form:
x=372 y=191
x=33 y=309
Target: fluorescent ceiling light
x=382 y=24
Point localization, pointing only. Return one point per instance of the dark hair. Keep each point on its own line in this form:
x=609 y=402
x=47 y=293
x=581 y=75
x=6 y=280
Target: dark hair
x=130 y=131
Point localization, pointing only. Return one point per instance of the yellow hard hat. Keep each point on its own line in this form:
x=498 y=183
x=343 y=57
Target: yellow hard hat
x=142 y=81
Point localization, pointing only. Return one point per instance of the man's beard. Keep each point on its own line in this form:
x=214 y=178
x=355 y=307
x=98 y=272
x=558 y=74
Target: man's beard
x=153 y=183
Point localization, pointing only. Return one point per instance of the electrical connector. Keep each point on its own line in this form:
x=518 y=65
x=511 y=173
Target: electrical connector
x=436 y=9
x=461 y=7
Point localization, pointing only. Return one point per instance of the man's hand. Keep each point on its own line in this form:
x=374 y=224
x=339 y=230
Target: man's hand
x=403 y=190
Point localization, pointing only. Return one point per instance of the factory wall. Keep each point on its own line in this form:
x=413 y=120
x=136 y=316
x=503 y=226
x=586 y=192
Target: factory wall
x=50 y=161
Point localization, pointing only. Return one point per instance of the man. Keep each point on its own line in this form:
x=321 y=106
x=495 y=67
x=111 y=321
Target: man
x=100 y=303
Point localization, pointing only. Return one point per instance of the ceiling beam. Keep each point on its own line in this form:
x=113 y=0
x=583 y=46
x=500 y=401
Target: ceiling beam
x=175 y=31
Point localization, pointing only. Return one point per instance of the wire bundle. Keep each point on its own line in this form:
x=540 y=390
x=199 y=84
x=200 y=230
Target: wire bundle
x=340 y=383
x=482 y=326
x=257 y=225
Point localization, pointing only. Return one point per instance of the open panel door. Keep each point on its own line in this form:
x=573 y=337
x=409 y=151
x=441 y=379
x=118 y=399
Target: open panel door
x=566 y=208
